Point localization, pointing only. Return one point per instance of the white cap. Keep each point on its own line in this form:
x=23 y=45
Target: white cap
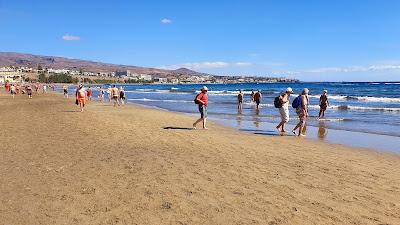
x=306 y=91
x=289 y=90
x=205 y=88
x=325 y=91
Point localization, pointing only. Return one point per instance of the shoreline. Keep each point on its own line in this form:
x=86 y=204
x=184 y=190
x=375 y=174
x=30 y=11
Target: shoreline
x=367 y=141
x=121 y=165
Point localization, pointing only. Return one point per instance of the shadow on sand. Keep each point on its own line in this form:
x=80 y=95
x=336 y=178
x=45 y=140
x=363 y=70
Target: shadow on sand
x=177 y=128
x=263 y=132
x=70 y=111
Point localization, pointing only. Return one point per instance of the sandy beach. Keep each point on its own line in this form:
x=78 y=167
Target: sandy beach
x=121 y=166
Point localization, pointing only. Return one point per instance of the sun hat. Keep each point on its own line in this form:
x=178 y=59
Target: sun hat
x=289 y=90
x=306 y=91
x=325 y=91
x=205 y=88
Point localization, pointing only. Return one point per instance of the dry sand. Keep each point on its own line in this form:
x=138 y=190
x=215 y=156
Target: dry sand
x=119 y=166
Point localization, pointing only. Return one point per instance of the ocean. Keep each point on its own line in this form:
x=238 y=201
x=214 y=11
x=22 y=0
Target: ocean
x=372 y=108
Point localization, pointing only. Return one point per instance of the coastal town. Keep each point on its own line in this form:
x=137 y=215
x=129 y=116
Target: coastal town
x=41 y=74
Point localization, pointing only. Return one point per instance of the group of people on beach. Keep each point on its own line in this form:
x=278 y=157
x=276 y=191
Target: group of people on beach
x=27 y=88
x=82 y=95
x=300 y=105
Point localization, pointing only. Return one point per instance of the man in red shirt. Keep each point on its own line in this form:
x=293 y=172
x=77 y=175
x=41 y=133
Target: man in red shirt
x=202 y=101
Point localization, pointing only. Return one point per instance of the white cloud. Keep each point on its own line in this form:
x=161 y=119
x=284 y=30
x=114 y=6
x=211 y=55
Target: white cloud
x=351 y=69
x=166 y=21
x=71 y=38
x=208 y=65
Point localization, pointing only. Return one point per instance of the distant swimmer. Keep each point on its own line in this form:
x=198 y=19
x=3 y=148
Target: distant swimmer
x=115 y=95
x=300 y=103
x=80 y=96
x=257 y=98
x=202 y=100
x=65 y=91
x=89 y=93
x=122 y=96
x=323 y=104
x=240 y=100
x=29 y=91
x=282 y=103
x=13 y=90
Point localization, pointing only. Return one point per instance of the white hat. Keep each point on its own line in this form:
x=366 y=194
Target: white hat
x=306 y=91
x=205 y=88
x=325 y=91
x=289 y=90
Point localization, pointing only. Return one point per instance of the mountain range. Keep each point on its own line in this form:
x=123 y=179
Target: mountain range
x=33 y=61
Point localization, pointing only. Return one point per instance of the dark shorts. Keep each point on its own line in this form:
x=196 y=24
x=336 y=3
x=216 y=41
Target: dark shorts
x=203 y=111
x=323 y=106
x=257 y=102
x=115 y=98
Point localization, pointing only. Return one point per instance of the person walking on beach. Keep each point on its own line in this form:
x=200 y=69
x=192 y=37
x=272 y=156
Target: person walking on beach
x=80 y=95
x=122 y=96
x=240 y=100
x=89 y=93
x=29 y=91
x=44 y=89
x=301 y=106
x=13 y=90
x=252 y=96
x=115 y=95
x=109 y=92
x=283 y=102
x=257 y=98
x=323 y=104
x=65 y=90
x=202 y=101
x=101 y=94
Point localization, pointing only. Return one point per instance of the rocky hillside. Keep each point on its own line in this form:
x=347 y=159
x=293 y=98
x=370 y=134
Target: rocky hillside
x=29 y=60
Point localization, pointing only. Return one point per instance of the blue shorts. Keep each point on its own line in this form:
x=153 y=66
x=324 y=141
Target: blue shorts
x=203 y=111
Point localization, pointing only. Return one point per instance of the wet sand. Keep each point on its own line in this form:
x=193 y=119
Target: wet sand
x=121 y=166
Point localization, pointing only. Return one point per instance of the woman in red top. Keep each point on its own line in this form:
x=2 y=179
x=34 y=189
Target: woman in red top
x=89 y=93
x=202 y=101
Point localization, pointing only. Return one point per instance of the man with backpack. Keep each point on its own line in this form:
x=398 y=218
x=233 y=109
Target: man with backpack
x=300 y=103
x=202 y=100
x=282 y=103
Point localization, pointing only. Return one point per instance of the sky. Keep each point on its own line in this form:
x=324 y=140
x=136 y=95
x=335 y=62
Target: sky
x=312 y=40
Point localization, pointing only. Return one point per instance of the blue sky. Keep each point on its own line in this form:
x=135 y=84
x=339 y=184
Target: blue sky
x=313 y=40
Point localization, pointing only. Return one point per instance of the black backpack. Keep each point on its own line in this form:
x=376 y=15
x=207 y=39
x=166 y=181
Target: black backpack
x=277 y=102
x=195 y=99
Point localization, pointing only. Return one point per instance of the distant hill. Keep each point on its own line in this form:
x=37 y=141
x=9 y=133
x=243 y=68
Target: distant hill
x=29 y=60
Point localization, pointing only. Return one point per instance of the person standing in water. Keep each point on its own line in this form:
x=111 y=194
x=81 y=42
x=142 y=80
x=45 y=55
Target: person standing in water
x=202 y=101
x=122 y=96
x=80 y=95
x=323 y=104
x=115 y=95
x=257 y=98
x=302 y=111
x=252 y=96
x=284 y=109
x=240 y=100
